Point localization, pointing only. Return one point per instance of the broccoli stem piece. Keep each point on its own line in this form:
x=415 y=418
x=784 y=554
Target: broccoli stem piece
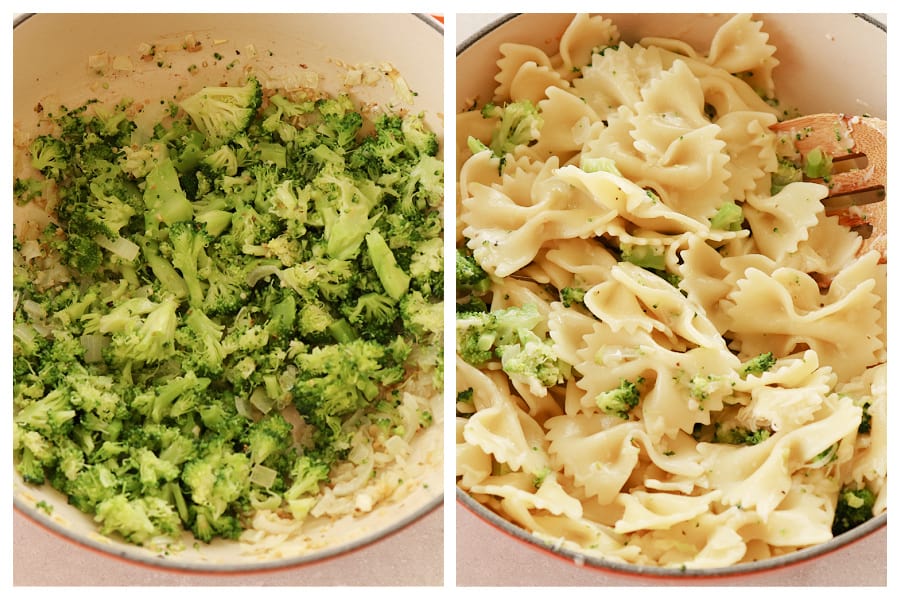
x=394 y=280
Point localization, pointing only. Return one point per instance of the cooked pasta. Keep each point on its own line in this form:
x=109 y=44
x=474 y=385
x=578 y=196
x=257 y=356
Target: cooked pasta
x=708 y=383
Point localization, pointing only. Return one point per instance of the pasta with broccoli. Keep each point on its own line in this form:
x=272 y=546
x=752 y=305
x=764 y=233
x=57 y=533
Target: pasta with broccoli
x=667 y=358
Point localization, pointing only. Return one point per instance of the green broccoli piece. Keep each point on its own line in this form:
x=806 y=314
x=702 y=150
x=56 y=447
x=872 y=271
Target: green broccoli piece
x=421 y=317
x=35 y=455
x=470 y=277
x=307 y=475
x=787 y=172
x=218 y=478
x=854 y=507
x=593 y=164
x=153 y=341
x=475 y=145
x=50 y=156
x=419 y=140
x=82 y=252
x=340 y=120
x=336 y=380
x=757 y=365
x=532 y=361
x=178 y=396
x=394 y=280
x=164 y=198
x=346 y=213
x=188 y=243
x=619 y=401
x=92 y=485
x=167 y=278
x=729 y=217
x=269 y=438
x=200 y=342
x=817 y=164
x=207 y=524
x=138 y=520
x=478 y=334
x=221 y=112
x=650 y=257
x=373 y=315
x=314 y=321
x=519 y=123
x=865 y=423
x=571 y=296
x=221 y=161
x=50 y=416
x=740 y=436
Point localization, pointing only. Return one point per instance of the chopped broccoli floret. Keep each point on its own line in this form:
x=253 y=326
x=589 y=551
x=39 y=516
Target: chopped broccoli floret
x=758 y=364
x=786 y=173
x=571 y=296
x=532 y=361
x=221 y=112
x=740 y=435
x=619 y=401
x=647 y=256
x=138 y=520
x=592 y=164
x=470 y=277
x=519 y=123
x=394 y=280
x=817 y=164
x=49 y=155
x=854 y=507
x=479 y=334
x=729 y=217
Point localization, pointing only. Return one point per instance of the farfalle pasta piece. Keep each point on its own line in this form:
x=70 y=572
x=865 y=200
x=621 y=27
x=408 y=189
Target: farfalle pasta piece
x=584 y=35
x=740 y=46
x=532 y=81
x=472 y=463
x=841 y=326
x=750 y=149
x=510 y=435
x=760 y=476
x=519 y=491
x=565 y=116
x=668 y=310
x=598 y=459
x=628 y=200
x=505 y=236
x=780 y=222
x=656 y=510
x=803 y=517
x=617 y=77
x=571 y=263
x=688 y=173
x=512 y=57
x=568 y=328
x=828 y=249
x=789 y=400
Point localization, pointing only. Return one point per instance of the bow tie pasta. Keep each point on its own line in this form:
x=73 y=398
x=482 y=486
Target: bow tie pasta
x=666 y=355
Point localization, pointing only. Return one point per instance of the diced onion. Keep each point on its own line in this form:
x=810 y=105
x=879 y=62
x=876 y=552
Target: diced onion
x=93 y=346
x=263 y=476
x=121 y=247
